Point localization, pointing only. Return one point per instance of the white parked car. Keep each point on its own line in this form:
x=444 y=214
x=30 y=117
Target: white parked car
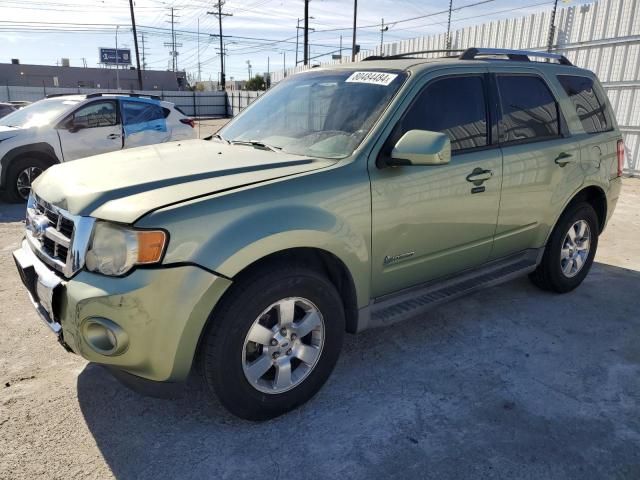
x=67 y=127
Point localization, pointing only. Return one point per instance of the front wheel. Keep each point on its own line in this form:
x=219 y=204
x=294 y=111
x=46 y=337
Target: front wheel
x=20 y=175
x=570 y=251
x=273 y=341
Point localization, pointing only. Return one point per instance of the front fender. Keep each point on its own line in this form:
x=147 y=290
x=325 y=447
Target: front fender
x=248 y=239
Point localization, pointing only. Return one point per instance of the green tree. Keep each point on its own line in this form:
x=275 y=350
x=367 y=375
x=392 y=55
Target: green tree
x=256 y=83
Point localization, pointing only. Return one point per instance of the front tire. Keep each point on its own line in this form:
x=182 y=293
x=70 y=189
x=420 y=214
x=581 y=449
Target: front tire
x=20 y=175
x=273 y=341
x=569 y=253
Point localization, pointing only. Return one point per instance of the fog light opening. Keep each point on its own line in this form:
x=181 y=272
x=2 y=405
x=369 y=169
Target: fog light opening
x=104 y=336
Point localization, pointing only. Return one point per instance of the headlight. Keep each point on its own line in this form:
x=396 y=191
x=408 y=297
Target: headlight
x=115 y=250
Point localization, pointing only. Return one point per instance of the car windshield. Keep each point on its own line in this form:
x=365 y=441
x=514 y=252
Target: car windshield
x=323 y=114
x=38 y=114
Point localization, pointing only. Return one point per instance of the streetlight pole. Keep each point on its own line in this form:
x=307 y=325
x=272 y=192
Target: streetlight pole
x=382 y=30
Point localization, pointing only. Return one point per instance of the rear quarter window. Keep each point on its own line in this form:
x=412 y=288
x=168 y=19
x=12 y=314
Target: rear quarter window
x=591 y=110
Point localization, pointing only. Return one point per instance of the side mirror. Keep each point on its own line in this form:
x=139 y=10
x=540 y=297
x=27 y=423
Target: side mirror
x=421 y=147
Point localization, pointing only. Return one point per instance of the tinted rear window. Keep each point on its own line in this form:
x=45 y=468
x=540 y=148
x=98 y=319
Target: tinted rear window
x=591 y=110
x=529 y=110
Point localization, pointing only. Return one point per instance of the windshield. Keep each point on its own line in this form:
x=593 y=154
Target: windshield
x=322 y=114
x=38 y=114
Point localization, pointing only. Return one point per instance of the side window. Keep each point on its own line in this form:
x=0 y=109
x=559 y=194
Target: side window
x=591 y=111
x=455 y=106
x=96 y=114
x=529 y=110
x=140 y=112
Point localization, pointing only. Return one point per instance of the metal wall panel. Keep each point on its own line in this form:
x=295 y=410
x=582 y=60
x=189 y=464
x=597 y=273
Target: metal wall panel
x=603 y=36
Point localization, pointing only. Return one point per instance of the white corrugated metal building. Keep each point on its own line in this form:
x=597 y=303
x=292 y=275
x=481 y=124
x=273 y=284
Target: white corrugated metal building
x=603 y=36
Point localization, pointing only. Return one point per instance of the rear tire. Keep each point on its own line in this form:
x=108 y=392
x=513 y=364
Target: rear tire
x=20 y=174
x=569 y=253
x=258 y=368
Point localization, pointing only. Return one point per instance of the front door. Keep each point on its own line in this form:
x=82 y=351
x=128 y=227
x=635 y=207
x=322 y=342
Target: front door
x=92 y=129
x=432 y=221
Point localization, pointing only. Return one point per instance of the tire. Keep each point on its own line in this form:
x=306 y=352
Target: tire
x=23 y=170
x=565 y=264
x=229 y=354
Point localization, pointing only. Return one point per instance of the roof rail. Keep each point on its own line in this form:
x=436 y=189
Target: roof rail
x=516 y=55
x=125 y=94
x=408 y=54
x=100 y=94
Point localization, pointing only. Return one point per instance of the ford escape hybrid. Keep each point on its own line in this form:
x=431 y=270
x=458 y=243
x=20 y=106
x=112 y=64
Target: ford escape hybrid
x=345 y=198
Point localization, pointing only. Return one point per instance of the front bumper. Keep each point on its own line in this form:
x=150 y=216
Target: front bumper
x=162 y=311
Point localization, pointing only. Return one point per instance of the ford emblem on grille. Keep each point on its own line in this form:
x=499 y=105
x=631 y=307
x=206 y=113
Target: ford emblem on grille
x=38 y=225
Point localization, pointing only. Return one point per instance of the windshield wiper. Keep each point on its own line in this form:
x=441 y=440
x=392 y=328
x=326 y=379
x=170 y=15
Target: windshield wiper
x=256 y=144
x=218 y=136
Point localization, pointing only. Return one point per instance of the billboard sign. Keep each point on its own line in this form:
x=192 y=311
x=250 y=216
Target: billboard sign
x=111 y=56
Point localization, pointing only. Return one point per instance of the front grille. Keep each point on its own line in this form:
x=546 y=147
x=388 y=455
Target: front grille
x=58 y=238
x=55 y=246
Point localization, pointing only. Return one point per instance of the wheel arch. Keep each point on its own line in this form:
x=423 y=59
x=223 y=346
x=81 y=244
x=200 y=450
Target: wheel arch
x=41 y=150
x=595 y=196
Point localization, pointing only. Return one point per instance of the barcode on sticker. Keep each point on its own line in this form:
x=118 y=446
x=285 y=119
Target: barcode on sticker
x=376 y=78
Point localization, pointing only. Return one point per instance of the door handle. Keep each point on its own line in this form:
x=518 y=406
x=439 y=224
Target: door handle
x=564 y=159
x=113 y=136
x=478 y=176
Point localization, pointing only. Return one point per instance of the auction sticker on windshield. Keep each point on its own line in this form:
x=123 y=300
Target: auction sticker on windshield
x=376 y=78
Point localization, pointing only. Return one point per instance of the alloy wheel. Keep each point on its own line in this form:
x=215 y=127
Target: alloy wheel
x=575 y=248
x=283 y=345
x=25 y=179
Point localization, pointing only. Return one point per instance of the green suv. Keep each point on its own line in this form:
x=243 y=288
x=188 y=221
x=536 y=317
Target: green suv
x=345 y=198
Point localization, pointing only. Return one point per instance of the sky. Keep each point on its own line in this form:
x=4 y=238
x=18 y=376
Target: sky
x=261 y=32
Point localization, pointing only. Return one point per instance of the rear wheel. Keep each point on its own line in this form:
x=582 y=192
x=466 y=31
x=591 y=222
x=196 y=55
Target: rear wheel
x=273 y=341
x=570 y=251
x=20 y=175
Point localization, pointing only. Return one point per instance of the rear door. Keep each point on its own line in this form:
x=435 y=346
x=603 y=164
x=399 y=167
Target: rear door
x=433 y=221
x=144 y=122
x=92 y=129
x=541 y=160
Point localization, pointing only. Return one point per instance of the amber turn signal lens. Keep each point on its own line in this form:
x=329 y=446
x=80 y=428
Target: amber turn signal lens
x=150 y=246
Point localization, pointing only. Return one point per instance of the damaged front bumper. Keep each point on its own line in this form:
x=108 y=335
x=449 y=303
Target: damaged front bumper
x=147 y=323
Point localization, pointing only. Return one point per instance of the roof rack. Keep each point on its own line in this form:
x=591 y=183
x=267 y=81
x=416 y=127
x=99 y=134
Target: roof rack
x=125 y=94
x=516 y=55
x=100 y=94
x=409 y=54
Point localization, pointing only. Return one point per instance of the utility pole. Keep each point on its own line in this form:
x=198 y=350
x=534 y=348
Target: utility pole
x=219 y=14
x=284 y=63
x=267 y=80
x=199 y=69
x=135 y=43
x=173 y=44
x=382 y=30
x=449 y=25
x=340 y=48
x=117 y=71
x=249 y=67
x=355 y=21
x=552 y=27
x=297 y=35
x=144 y=58
x=306 y=32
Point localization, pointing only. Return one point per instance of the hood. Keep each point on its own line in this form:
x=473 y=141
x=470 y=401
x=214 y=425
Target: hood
x=123 y=186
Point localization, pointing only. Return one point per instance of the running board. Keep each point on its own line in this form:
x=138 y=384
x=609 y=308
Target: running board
x=414 y=301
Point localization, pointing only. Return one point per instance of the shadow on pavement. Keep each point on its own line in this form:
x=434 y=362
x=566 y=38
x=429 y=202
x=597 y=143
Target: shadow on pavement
x=11 y=212
x=511 y=382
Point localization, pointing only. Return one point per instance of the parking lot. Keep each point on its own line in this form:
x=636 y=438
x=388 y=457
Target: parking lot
x=508 y=383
